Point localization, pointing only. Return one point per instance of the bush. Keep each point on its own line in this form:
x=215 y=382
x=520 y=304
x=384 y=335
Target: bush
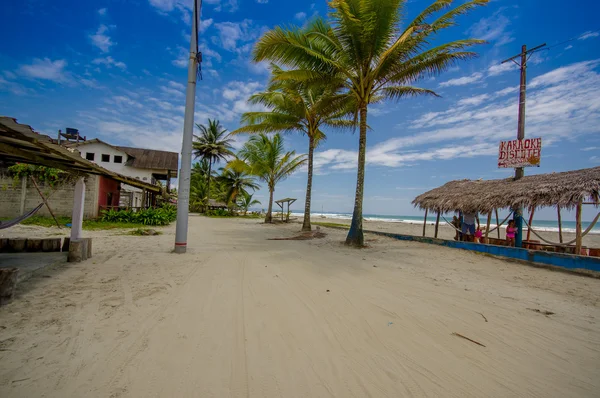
x=220 y=213
x=153 y=216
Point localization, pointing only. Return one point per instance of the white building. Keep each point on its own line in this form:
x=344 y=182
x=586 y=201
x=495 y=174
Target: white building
x=146 y=165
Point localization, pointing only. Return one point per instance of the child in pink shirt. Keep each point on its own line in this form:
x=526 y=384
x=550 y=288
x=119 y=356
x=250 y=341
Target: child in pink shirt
x=510 y=233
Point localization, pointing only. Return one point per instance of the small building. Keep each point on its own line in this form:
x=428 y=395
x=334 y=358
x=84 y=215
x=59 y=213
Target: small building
x=147 y=165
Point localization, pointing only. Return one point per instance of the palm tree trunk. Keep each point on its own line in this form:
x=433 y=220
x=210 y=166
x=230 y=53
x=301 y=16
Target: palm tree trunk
x=355 y=235
x=268 y=217
x=306 y=224
x=208 y=186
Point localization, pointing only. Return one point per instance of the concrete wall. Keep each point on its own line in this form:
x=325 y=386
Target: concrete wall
x=61 y=200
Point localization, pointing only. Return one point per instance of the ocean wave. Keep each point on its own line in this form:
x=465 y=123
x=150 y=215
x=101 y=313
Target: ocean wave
x=400 y=219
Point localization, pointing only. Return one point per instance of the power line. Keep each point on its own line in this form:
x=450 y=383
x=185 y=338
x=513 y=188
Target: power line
x=569 y=40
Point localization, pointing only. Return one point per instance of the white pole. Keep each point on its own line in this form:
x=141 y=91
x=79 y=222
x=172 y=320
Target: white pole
x=183 y=192
x=78 y=202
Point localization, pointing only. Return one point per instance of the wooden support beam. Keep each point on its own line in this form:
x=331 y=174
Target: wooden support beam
x=497 y=223
x=437 y=224
x=560 y=236
x=578 y=230
x=532 y=212
x=487 y=228
x=45 y=201
x=425 y=222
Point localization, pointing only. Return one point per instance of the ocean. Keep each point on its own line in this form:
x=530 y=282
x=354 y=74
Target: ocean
x=538 y=225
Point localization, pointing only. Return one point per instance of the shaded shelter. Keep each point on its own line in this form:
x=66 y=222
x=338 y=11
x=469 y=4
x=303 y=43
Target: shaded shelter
x=281 y=203
x=19 y=143
x=565 y=190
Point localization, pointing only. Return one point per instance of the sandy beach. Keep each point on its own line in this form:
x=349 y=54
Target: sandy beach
x=240 y=315
x=447 y=232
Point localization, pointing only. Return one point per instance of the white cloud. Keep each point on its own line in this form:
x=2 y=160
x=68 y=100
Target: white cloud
x=493 y=29
x=102 y=11
x=237 y=36
x=109 y=62
x=591 y=148
x=461 y=81
x=595 y=159
x=13 y=87
x=300 y=16
x=46 y=69
x=262 y=1
x=562 y=105
x=588 y=35
x=205 y=24
x=101 y=39
x=497 y=68
x=237 y=90
x=568 y=47
x=476 y=100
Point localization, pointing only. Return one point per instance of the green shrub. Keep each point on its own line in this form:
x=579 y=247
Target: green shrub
x=163 y=215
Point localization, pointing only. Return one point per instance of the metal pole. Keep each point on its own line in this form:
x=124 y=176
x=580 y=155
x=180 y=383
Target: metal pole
x=183 y=193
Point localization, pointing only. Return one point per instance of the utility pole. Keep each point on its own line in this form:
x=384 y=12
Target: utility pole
x=519 y=171
x=183 y=192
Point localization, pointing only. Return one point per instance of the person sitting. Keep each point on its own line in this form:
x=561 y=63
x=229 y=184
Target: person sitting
x=456 y=224
x=511 y=231
x=468 y=225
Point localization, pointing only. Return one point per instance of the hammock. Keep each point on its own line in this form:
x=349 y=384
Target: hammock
x=567 y=243
x=491 y=230
x=10 y=223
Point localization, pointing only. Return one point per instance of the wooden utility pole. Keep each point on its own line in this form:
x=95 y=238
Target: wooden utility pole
x=519 y=172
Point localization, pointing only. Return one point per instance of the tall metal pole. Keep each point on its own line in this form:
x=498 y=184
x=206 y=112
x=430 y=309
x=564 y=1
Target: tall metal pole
x=519 y=171
x=183 y=193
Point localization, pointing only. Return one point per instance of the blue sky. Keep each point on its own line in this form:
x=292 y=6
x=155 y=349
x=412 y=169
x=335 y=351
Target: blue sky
x=116 y=70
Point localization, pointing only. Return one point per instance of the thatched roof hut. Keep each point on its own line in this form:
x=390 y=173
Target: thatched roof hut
x=564 y=190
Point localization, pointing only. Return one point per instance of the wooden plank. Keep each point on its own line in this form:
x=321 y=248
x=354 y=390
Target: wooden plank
x=497 y=222
x=578 y=230
x=437 y=224
x=425 y=222
x=560 y=236
x=487 y=228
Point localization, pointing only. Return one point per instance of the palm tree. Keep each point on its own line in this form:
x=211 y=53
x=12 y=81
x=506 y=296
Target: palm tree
x=213 y=144
x=298 y=107
x=265 y=157
x=245 y=201
x=198 y=185
x=373 y=57
x=236 y=182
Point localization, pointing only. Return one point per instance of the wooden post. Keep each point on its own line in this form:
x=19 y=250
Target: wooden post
x=497 y=222
x=560 y=237
x=487 y=228
x=45 y=201
x=23 y=194
x=425 y=221
x=77 y=216
x=532 y=212
x=8 y=284
x=578 y=230
x=437 y=224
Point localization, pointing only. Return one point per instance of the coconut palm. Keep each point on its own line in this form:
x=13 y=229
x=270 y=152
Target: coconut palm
x=235 y=182
x=296 y=107
x=368 y=52
x=213 y=144
x=266 y=158
x=245 y=201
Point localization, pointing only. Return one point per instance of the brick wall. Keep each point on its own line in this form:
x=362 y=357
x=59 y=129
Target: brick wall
x=61 y=200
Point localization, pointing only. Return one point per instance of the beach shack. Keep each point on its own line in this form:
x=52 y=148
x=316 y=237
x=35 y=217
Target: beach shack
x=566 y=190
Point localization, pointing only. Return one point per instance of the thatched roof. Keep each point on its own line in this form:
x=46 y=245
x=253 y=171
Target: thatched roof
x=555 y=189
x=216 y=204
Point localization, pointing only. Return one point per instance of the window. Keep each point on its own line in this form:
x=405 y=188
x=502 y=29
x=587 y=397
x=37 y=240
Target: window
x=89 y=156
x=105 y=157
x=118 y=159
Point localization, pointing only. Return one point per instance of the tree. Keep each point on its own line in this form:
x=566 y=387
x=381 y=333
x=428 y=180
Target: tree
x=367 y=51
x=213 y=144
x=297 y=107
x=198 y=185
x=235 y=182
x=265 y=157
x=245 y=201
